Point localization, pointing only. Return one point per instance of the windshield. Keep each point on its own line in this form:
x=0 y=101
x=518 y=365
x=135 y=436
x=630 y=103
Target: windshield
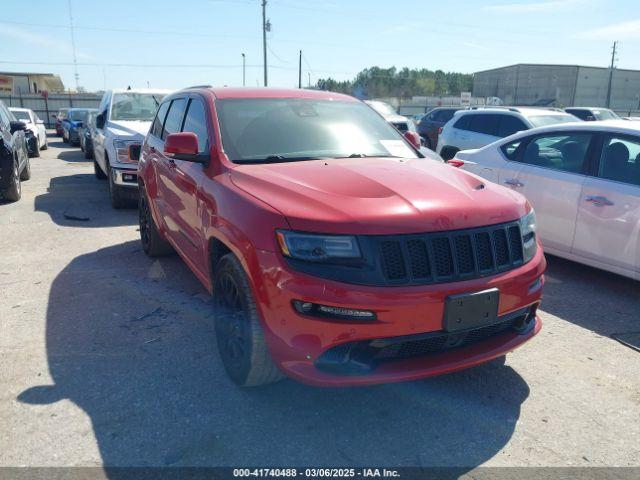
x=21 y=115
x=77 y=115
x=135 y=106
x=605 y=115
x=383 y=108
x=266 y=130
x=543 y=120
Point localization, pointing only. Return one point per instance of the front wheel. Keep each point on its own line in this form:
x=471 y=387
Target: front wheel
x=118 y=199
x=26 y=171
x=239 y=334
x=36 y=152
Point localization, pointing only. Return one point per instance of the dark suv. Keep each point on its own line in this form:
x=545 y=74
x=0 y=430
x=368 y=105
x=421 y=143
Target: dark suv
x=430 y=124
x=14 y=160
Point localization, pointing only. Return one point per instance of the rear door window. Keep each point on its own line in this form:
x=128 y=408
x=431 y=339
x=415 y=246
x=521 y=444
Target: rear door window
x=620 y=159
x=463 y=122
x=566 y=152
x=158 y=122
x=196 y=122
x=486 y=124
x=173 y=123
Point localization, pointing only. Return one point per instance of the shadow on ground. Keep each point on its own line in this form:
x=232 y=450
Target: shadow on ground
x=81 y=200
x=131 y=341
x=607 y=303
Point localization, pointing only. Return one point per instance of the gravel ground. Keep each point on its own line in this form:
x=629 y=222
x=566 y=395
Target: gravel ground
x=87 y=379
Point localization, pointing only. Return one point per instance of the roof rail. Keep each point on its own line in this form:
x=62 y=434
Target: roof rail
x=489 y=107
x=199 y=86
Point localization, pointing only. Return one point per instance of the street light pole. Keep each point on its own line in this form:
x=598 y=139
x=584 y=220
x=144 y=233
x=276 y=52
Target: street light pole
x=264 y=39
x=300 y=70
x=244 y=66
x=613 y=61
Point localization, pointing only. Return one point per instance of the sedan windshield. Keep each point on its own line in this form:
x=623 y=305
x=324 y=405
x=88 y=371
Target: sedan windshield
x=605 y=115
x=277 y=130
x=77 y=115
x=543 y=120
x=135 y=106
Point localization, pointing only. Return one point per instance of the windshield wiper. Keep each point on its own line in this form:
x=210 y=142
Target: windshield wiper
x=277 y=159
x=364 y=155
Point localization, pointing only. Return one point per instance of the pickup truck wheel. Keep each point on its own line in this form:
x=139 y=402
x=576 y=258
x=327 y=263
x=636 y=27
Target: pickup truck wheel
x=239 y=335
x=118 y=200
x=97 y=170
x=14 y=192
x=26 y=171
x=153 y=244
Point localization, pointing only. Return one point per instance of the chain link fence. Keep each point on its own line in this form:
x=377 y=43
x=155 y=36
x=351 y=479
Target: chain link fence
x=46 y=107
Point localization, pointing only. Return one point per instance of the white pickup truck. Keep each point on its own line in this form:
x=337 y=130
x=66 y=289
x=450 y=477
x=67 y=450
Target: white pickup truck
x=122 y=122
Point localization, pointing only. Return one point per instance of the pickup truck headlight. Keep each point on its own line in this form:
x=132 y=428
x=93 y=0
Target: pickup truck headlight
x=318 y=248
x=126 y=150
x=528 y=232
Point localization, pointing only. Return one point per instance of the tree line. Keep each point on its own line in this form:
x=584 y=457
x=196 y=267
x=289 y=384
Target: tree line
x=390 y=82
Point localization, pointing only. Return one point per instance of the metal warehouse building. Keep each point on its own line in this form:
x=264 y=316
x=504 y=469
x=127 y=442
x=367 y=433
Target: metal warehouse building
x=560 y=85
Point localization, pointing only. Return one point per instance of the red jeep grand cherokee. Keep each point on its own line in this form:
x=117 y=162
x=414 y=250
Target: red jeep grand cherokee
x=335 y=252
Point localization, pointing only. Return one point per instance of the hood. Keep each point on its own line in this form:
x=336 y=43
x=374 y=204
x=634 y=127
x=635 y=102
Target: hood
x=123 y=128
x=378 y=195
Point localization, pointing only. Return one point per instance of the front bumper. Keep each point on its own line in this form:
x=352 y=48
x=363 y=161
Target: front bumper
x=125 y=177
x=298 y=342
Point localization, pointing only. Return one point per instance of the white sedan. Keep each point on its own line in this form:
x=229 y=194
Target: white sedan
x=583 y=180
x=34 y=123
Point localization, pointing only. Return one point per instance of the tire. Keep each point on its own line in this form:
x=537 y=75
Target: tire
x=26 y=171
x=153 y=243
x=46 y=143
x=239 y=334
x=447 y=153
x=14 y=192
x=118 y=200
x=97 y=170
x=36 y=153
x=65 y=139
x=88 y=154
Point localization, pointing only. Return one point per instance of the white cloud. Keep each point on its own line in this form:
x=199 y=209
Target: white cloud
x=51 y=42
x=534 y=7
x=629 y=30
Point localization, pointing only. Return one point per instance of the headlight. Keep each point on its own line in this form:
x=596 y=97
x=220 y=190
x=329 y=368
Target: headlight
x=318 y=248
x=125 y=153
x=528 y=231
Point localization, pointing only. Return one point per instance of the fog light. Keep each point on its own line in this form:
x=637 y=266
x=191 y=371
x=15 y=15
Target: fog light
x=342 y=313
x=128 y=177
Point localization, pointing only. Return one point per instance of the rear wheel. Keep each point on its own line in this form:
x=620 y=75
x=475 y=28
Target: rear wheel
x=14 y=192
x=36 y=152
x=153 y=244
x=239 y=334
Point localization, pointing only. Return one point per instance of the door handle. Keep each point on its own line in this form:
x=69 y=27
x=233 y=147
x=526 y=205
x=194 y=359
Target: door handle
x=598 y=201
x=513 y=182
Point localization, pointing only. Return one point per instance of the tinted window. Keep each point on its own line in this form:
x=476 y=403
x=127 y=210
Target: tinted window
x=620 y=160
x=581 y=114
x=463 y=122
x=174 y=117
x=156 y=126
x=196 y=122
x=485 y=124
x=565 y=152
x=446 y=115
x=135 y=106
x=509 y=125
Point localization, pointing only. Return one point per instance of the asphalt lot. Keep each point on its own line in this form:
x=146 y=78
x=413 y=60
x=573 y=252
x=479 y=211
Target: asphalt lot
x=87 y=379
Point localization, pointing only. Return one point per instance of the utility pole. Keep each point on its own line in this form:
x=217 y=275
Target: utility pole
x=266 y=26
x=244 y=69
x=300 y=70
x=73 y=47
x=613 y=62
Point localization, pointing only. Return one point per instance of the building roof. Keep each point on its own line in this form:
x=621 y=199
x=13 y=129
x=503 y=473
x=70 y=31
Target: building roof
x=552 y=65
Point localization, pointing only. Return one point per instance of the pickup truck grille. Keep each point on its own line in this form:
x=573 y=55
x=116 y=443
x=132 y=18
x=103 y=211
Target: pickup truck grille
x=450 y=256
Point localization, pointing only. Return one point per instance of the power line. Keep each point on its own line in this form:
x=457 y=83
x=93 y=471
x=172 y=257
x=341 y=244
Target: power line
x=613 y=64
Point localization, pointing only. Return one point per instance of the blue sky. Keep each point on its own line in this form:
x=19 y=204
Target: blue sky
x=172 y=44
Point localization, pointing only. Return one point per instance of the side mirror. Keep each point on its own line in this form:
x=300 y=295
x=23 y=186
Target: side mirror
x=100 y=120
x=184 y=146
x=17 y=125
x=413 y=138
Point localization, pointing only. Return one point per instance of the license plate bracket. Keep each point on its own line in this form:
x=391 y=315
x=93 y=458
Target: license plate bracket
x=471 y=310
